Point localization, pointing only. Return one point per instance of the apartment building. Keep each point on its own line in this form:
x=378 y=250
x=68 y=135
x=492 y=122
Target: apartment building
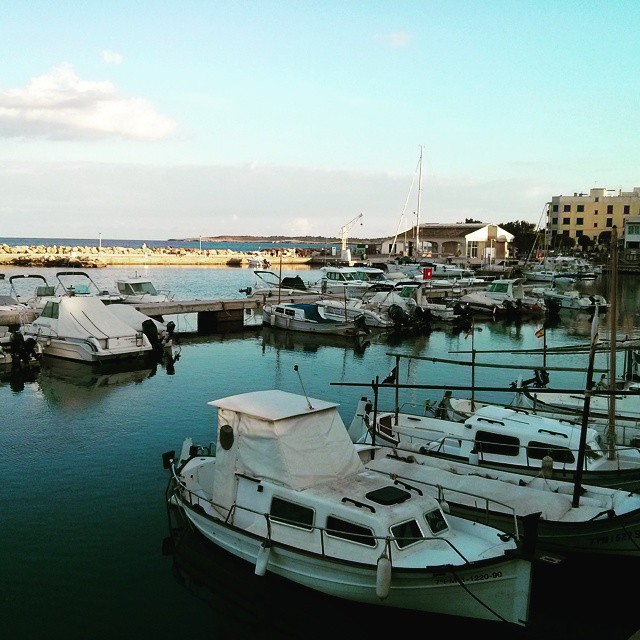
x=591 y=215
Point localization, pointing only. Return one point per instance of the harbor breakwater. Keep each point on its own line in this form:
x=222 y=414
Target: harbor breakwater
x=92 y=256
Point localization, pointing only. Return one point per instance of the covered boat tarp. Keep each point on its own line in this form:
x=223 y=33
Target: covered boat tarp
x=134 y=318
x=83 y=317
x=282 y=437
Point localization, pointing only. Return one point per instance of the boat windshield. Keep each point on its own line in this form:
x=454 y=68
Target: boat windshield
x=143 y=287
x=372 y=276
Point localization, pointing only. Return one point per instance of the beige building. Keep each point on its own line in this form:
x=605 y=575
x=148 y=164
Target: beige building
x=590 y=214
x=477 y=243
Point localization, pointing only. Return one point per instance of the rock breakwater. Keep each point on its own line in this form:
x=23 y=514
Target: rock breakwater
x=91 y=256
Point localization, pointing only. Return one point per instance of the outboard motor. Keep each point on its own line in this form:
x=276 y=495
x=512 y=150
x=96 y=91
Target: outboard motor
x=397 y=314
x=30 y=350
x=150 y=330
x=16 y=346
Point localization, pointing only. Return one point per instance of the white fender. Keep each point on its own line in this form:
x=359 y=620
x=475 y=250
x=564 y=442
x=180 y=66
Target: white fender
x=263 y=558
x=383 y=576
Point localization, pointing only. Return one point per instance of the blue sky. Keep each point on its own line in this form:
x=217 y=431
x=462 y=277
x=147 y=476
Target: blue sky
x=169 y=119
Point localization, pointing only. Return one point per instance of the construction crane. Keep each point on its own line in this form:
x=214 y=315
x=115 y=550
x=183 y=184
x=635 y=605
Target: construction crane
x=345 y=254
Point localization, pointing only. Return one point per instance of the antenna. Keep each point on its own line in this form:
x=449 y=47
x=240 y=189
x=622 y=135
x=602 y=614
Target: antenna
x=295 y=368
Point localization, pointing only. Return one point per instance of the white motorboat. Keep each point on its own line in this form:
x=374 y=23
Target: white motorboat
x=344 y=281
x=13 y=313
x=351 y=309
x=139 y=290
x=504 y=296
x=569 y=299
x=269 y=284
x=602 y=521
x=83 y=329
x=548 y=275
x=503 y=439
x=286 y=492
x=310 y=317
x=35 y=298
x=80 y=283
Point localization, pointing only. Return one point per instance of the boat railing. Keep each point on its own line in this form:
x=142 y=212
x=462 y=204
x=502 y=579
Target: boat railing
x=195 y=501
x=441 y=496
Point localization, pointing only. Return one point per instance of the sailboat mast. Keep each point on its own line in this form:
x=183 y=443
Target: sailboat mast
x=419 y=205
x=613 y=323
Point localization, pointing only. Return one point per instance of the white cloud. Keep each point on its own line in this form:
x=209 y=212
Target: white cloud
x=111 y=57
x=395 y=39
x=60 y=105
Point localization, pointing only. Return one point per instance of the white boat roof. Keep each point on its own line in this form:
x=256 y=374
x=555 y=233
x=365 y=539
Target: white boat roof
x=272 y=404
x=82 y=316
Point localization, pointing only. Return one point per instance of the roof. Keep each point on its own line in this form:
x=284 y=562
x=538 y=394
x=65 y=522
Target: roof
x=272 y=404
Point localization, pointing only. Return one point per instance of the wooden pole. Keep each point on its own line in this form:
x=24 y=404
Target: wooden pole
x=577 y=488
x=397 y=387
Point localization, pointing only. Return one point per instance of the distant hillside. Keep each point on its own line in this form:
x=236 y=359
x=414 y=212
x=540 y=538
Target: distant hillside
x=288 y=239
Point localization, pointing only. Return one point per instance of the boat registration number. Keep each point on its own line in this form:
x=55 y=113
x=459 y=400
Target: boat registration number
x=475 y=577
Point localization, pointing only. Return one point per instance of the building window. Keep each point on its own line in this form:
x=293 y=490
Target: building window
x=579 y=220
x=554 y=233
x=578 y=233
x=595 y=225
x=472 y=250
x=566 y=220
x=580 y=208
x=555 y=208
x=595 y=213
x=597 y=199
x=567 y=207
x=565 y=232
x=609 y=222
x=609 y=209
x=554 y=220
x=627 y=208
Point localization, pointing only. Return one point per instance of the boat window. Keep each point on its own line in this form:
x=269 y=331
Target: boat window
x=406 y=533
x=291 y=513
x=538 y=450
x=500 y=287
x=289 y=312
x=43 y=292
x=339 y=528
x=122 y=287
x=435 y=520
x=143 y=287
x=50 y=310
x=279 y=309
x=487 y=442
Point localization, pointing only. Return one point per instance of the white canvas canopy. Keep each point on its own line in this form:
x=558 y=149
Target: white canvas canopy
x=282 y=437
x=82 y=317
x=131 y=316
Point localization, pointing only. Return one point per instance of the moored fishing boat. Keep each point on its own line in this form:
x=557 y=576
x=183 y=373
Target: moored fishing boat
x=602 y=521
x=310 y=318
x=287 y=492
x=504 y=439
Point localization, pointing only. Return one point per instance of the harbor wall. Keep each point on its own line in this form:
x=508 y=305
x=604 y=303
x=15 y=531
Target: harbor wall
x=91 y=256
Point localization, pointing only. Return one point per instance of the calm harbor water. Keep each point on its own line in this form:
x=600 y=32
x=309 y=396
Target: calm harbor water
x=82 y=484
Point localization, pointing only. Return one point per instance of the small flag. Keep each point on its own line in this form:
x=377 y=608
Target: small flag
x=540 y=332
x=392 y=377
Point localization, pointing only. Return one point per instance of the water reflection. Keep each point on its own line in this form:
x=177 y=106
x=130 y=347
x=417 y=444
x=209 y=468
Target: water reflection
x=311 y=343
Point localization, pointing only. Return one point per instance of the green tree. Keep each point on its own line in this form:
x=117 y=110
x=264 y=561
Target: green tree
x=525 y=235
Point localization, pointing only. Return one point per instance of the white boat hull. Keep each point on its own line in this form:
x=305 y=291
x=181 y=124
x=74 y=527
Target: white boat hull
x=493 y=585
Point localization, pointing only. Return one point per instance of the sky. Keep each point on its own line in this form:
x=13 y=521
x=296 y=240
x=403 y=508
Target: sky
x=169 y=119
